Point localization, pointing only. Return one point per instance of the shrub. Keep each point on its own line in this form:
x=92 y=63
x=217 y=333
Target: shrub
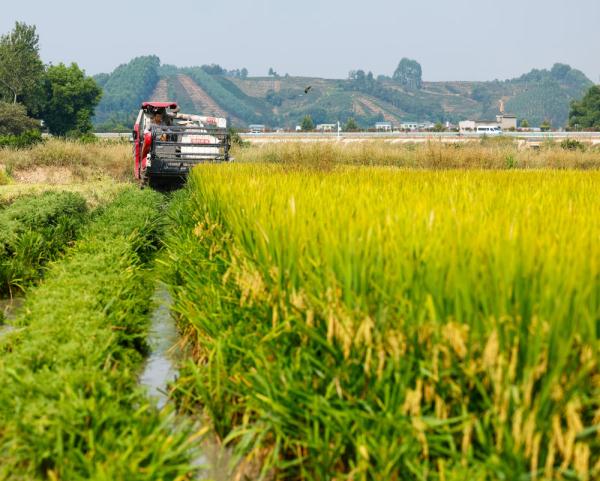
x=572 y=144
x=34 y=230
x=20 y=141
x=14 y=120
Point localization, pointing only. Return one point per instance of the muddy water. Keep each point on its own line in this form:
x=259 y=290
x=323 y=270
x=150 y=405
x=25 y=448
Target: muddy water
x=8 y=312
x=161 y=369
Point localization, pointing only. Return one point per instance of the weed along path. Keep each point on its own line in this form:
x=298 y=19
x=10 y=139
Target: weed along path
x=70 y=404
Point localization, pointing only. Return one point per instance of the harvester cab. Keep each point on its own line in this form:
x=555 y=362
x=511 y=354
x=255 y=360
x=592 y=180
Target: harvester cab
x=167 y=143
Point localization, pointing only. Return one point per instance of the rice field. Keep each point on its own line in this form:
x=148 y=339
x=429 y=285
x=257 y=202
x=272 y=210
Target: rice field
x=344 y=312
x=379 y=323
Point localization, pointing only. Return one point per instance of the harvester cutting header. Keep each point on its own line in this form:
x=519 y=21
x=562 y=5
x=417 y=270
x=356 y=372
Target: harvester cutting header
x=167 y=143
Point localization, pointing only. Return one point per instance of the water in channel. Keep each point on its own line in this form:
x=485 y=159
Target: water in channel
x=160 y=369
x=8 y=312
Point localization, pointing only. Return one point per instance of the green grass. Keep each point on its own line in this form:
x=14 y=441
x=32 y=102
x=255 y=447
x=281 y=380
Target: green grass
x=377 y=323
x=70 y=406
x=33 y=231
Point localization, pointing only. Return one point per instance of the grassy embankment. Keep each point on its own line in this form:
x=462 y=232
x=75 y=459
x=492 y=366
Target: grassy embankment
x=70 y=407
x=62 y=161
x=97 y=171
x=392 y=324
x=497 y=153
x=33 y=231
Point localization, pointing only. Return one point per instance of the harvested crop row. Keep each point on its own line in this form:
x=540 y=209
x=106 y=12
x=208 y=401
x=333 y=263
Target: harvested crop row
x=34 y=230
x=386 y=324
x=70 y=407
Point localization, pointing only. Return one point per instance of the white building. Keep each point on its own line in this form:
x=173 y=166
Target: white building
x=503 y=121
x=507 y=121
x=467 y=126
x=414 y=126
x=326 y=127
x=256 y=128
x=383 y=126
x=409 y=126
x=472 y=125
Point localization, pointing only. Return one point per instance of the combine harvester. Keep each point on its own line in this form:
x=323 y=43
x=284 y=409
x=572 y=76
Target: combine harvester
x=167 y=144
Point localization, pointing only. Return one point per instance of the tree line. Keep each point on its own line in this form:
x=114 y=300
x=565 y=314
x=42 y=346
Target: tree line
x=61 y=96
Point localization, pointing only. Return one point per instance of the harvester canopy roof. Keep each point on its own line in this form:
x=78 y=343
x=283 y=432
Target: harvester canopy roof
x=159 y=105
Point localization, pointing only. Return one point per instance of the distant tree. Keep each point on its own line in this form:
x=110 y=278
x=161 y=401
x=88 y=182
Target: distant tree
x=101 y=78
x=560 y=71
x=351 y=125
x=244 y=73
x=481 y=94
x=585 y=114
x=21 y=69
x=274 y=98
x=545 y=126
x=14 y=119
x=307 y=123
x=439 y=127
x=213 y=69
x=524 y=124
x=128 y=86
x=71 y=99
x=409 y=73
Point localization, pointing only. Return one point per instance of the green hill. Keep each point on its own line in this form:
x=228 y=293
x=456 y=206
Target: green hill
x=279 y=101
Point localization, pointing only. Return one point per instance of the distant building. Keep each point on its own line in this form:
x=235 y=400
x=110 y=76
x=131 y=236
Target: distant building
x=414 y=126
x=503 y=121
x=326 y=127
x=409 y=126
x=507 y=121
x=472 y=125
x=467 y=126
x=256 y=128
x=383 y=126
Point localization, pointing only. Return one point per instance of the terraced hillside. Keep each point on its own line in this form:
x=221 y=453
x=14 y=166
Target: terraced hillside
x=540 y=95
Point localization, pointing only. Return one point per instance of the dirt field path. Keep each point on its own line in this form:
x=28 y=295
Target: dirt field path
x=160 y=92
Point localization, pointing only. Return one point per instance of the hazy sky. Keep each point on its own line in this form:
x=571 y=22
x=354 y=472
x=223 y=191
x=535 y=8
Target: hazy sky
x=452 y=39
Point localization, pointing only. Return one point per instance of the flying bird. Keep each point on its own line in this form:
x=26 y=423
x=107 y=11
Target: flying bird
x=307 y=89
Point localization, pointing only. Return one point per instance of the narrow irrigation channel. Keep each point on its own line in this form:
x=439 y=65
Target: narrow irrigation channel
x=8 y=312
x=161 y=369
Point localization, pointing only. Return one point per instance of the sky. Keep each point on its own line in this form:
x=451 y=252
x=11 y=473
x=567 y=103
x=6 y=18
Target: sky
x=452 y=39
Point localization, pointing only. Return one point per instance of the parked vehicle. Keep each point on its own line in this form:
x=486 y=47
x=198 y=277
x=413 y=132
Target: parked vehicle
x=489 y=130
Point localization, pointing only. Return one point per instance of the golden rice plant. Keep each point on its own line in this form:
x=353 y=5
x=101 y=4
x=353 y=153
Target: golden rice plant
x=380 y=323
